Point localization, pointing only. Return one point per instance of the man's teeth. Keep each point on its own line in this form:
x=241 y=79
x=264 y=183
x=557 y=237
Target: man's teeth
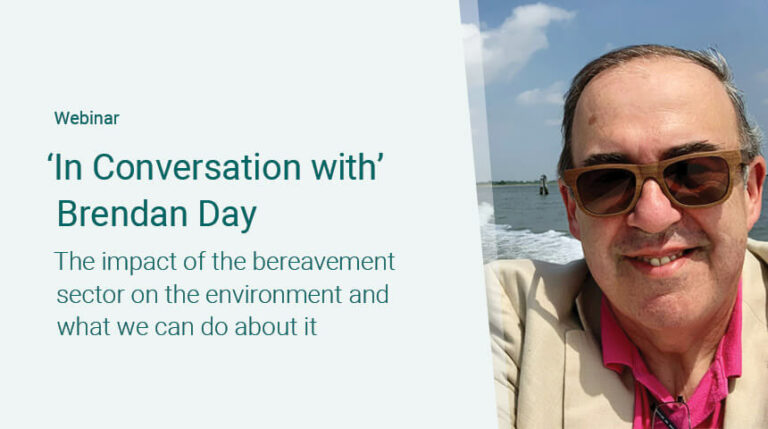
x=657 y=262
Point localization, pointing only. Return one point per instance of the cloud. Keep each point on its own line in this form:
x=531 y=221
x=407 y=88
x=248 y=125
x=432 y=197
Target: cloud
x=553 y=122
x=504 y=50
x=765 y=101
x=763 y=76
x=553 y=94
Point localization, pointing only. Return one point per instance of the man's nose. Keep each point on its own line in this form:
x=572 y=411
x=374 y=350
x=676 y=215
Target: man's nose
x=653 y=212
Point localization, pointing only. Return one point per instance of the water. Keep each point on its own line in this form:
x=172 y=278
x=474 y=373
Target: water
x=527 y=225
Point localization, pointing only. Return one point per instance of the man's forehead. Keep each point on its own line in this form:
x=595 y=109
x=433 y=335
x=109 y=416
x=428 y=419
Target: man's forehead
x=649 y=105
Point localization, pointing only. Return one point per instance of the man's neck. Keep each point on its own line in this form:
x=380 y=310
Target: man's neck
x=679 y=358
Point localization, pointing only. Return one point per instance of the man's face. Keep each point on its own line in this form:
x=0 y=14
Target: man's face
x=639 y=112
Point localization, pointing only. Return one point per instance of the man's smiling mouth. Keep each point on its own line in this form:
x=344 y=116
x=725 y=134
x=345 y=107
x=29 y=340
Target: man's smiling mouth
x=660 y=260
x=656 y=262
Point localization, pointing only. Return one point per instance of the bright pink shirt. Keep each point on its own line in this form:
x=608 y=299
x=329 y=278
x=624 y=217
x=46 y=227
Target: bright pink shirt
x=706 y=405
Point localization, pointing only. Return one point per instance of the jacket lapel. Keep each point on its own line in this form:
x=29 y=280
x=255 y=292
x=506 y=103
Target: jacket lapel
x=593 y=395
x=745 y=405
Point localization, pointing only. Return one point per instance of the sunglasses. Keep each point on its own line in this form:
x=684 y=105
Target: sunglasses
x=695 y=180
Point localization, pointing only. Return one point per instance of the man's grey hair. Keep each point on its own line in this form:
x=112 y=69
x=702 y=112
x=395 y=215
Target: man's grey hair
x=749 y=134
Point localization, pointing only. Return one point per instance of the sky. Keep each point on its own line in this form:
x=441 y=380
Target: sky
x=531 y=51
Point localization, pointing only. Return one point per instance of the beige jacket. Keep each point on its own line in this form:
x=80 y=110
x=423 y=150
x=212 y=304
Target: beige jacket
x=545 y=327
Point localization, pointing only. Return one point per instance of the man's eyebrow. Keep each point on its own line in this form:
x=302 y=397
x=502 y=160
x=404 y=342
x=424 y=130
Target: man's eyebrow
x=606 y=158
x=619 y=158
x=689 y=148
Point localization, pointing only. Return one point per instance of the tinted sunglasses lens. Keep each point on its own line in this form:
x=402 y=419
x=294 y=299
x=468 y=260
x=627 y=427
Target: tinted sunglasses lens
x=606 y=191
x=698 y=181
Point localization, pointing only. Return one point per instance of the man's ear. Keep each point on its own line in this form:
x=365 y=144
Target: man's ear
x=570 y=208
x=754 y=189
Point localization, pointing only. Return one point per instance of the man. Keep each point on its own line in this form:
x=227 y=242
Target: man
x=663 y=324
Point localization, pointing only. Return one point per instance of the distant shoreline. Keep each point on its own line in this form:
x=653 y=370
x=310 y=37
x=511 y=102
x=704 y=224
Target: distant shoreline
x=486 y=184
